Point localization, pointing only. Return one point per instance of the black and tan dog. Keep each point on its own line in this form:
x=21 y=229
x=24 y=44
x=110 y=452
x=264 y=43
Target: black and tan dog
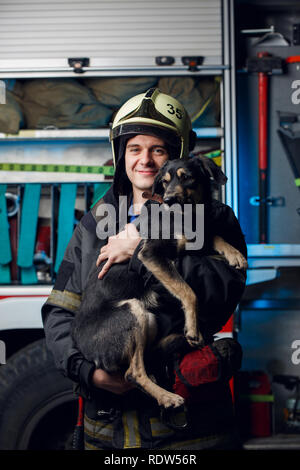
x=115 y=323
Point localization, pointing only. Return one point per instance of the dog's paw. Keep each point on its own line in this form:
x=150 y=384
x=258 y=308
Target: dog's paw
x=195 y=341
x=170 y=400
x=231 y=254
x=194 y=338
x=236 y=259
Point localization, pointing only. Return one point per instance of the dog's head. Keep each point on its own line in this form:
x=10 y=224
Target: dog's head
x=187 y=181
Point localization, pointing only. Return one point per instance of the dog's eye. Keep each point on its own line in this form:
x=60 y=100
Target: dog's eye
x=164 y=181
x=184 y=176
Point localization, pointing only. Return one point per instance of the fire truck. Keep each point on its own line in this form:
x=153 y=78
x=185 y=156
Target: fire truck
x=54 y=165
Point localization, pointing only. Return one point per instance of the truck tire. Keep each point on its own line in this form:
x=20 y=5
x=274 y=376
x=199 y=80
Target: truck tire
x=37 y=405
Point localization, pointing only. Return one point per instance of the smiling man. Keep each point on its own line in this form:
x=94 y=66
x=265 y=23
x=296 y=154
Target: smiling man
x=144 y=156
x=147 y=130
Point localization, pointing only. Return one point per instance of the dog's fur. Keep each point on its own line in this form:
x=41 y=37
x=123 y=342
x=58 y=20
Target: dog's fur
x=115 y=324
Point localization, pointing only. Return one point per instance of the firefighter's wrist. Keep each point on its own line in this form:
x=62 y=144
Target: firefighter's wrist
x=86 y=372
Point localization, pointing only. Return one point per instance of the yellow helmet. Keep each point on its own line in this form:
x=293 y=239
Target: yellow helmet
x=154 y=113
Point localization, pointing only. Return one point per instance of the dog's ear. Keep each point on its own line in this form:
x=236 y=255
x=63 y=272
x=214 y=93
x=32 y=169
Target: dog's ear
x=157 y=187
x=212 y=170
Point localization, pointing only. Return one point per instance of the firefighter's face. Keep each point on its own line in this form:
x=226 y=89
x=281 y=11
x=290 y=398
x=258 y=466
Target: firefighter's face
x=144 y=156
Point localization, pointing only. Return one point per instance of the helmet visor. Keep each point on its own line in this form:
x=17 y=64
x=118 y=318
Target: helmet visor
x=168 y=136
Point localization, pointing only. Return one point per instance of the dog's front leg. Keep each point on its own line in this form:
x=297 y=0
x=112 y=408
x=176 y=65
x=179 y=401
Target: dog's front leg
x=231 y=254
x=136 y=374
x=168 y=275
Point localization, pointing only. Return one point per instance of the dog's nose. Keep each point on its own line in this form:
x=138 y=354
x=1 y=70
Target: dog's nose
x=169 y=200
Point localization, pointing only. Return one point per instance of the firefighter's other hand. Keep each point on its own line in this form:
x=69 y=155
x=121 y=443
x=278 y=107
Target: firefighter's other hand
x=114 y=383
x=119 y=248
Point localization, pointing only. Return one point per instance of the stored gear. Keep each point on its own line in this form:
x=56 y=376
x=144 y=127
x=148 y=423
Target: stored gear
x=154 y=113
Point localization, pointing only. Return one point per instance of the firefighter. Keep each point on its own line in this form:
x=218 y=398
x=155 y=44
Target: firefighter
x=154 y=127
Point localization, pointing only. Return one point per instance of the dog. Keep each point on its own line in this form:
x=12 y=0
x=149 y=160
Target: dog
x=115 y=323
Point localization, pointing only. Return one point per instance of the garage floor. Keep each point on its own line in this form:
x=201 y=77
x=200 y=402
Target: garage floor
x=276 y=442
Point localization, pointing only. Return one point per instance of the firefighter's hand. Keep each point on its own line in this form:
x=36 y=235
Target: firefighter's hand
x=114 y=383
x=119 y=248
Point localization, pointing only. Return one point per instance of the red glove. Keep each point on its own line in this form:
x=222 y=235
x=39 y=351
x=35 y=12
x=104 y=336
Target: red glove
x=214 y=363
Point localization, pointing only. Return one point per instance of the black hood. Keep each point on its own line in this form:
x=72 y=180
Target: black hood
x=121 y=184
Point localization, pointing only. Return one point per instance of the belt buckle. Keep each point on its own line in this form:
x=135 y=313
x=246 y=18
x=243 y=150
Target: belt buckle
x=109 y=415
